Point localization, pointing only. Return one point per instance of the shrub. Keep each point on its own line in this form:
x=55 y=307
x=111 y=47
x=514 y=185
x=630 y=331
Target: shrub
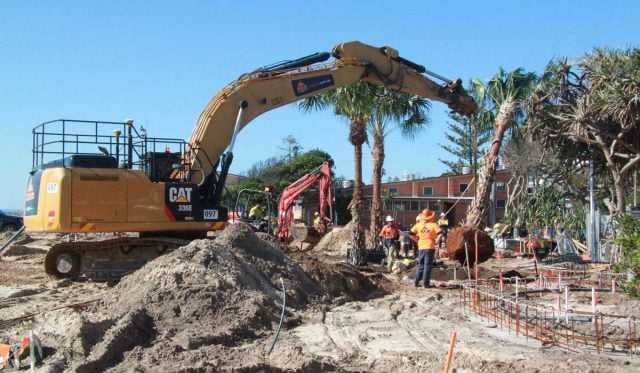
x=629 y=241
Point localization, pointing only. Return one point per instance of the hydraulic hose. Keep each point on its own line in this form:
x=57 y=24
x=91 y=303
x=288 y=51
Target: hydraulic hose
x=284 y=306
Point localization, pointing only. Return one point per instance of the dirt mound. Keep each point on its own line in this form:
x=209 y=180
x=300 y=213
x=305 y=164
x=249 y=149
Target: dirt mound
x=336 y=241
x=337 y=279
x=209 y=298
x=220 y=292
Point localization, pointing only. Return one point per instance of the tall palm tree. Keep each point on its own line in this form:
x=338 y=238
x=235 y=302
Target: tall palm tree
x=506 y=93
x=354 y=102
x=410 y=113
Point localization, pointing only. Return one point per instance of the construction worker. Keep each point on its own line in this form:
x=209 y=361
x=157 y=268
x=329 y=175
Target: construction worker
x=319 y=223
x=389 y=235
x=428 y=233
x=443 y=222
x=257 y=211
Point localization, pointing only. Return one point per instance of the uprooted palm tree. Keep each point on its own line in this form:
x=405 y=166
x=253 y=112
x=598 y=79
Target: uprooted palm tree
x=505 y=94
x=410 y=113
x=354 y=102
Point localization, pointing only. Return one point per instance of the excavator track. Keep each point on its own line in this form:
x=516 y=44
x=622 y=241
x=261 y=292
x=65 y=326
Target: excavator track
x=106 y=260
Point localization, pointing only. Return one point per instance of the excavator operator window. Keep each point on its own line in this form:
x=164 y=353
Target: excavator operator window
x=161 y=165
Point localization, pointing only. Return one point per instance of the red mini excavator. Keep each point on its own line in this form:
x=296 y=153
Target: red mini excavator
x=293 y=191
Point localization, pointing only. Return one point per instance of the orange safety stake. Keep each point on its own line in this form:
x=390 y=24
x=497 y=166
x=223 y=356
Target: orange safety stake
x=450 y=353
x=4 y=354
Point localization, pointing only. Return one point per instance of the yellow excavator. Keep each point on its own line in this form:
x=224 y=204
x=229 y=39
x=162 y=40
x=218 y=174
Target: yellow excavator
x=168 y=191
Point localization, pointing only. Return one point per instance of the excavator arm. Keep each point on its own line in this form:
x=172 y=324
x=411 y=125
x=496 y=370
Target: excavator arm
x=293 y=191
x=265 y=89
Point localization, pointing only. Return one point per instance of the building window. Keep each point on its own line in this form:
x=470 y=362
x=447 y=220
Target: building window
x=501 y=203
x=501 y=186
x=462 y=187
x=393 y=192
x=401 y=205
x=427 y=191
x=415 y=205
x=434 y=206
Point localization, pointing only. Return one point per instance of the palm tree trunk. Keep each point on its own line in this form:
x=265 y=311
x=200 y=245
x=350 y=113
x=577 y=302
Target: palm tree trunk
x=377 y=158
x=486 y=174
x=358 y=253
x=357 y=137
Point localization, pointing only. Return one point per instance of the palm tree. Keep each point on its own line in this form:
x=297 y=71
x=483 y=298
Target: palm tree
x=410 y=112
x=354 y=102
x=506 y=93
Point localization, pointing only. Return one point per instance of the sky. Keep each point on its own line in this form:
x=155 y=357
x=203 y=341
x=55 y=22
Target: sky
x=160 y=62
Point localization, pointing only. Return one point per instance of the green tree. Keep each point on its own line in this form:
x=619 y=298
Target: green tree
x=469 y=134
x=353 y=102
x=463 y=138
x=291 y=147
x=629 y=241
x=410 y=114
x=279 y=174
x=594 y=103
x=301 y=165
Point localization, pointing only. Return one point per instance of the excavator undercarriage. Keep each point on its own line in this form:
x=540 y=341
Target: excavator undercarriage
x=106 y=260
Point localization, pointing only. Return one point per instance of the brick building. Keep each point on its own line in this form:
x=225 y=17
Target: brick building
x=452 y=194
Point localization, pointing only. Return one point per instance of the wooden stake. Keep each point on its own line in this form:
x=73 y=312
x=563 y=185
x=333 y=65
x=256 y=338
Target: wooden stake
x=450 y=353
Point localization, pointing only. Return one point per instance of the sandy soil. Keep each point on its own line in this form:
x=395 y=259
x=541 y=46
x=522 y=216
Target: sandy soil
x=215 y=305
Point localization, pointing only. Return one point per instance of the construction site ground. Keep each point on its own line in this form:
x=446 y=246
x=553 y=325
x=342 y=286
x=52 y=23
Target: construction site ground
x=216 y=304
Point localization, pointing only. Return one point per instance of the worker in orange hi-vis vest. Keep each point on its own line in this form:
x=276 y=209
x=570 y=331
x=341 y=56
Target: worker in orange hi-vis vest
x=428 y=232
x=390 y=235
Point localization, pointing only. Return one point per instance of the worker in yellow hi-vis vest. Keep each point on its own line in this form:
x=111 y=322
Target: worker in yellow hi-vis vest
x=443 y=222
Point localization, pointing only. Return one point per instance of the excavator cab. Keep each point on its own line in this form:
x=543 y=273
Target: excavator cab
x=255 y=209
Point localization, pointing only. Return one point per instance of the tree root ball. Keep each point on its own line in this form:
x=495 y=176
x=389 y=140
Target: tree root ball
x=457 y=238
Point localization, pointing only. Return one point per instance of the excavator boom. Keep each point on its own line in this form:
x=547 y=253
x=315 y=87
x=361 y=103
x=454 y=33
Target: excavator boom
x=255 y=93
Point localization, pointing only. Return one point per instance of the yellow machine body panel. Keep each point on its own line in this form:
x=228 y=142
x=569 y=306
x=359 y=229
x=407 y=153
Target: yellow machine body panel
x=99 y=195
x=146 y=199
x=83 y=200
x=44 y=193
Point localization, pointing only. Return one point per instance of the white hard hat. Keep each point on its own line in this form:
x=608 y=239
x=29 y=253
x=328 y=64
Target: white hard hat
x=389 y=218
x=442 y=214
x=316 y=213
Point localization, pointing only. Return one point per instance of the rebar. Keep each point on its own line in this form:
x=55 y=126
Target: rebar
x=573 y=330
